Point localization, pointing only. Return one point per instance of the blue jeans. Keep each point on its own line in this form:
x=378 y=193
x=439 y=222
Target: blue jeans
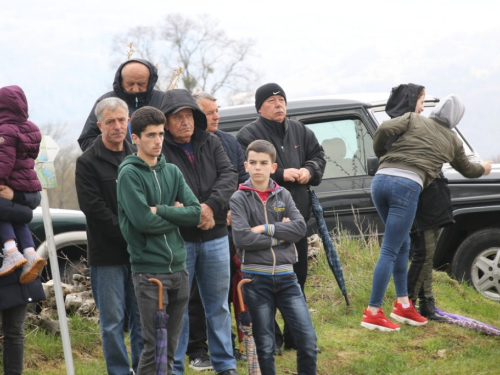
x=209 y=260
x=396 y=200
x=114 y=295
x=262 y=296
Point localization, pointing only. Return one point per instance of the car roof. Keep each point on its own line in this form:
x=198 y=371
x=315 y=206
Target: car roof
x=59 y=212
x=315 y=104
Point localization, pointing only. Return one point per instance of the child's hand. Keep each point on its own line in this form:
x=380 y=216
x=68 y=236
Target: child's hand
x=285 y=220
x=153 y=209
x=178 y=204
x=6 y=192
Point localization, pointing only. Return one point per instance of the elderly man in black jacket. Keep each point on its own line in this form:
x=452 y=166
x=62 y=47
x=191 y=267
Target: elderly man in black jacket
x=209 y=173
x=110 y=271
x=299 y=156
x=197 y=349
x=134 y=82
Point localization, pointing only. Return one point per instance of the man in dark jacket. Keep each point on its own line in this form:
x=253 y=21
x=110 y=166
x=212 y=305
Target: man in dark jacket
x=110 y=272
x=197 y=349
x=209 y=173
x=134 y=82
x=300 y=160
x=208 y=104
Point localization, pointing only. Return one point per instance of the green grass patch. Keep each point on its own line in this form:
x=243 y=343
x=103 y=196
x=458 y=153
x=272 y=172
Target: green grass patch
x=347 y=348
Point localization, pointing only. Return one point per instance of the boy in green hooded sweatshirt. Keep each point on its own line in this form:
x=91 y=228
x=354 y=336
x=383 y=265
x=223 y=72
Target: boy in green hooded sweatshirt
x=153 y=201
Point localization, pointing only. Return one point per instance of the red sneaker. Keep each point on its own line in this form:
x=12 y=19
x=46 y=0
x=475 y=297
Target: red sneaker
x=377 y=321
x=408 y=315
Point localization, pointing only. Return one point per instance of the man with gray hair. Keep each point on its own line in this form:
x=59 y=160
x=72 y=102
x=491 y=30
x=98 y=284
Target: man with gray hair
x=110 y=272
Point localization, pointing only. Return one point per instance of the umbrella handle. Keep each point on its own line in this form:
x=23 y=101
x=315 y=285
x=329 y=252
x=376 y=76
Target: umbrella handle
x=160 y=292
x=240 y=294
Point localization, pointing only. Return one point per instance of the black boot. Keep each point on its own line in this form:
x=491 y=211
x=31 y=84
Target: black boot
x=427 y=310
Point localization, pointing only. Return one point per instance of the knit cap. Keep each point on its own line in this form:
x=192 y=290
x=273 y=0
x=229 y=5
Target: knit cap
x=265 y=91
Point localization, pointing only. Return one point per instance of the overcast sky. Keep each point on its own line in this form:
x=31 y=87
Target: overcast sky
x=59 y=52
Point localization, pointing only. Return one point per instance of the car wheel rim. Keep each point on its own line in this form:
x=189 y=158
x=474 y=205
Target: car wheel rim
x=485 y=273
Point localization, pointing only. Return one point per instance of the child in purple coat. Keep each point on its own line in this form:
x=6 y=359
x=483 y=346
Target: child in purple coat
x=19 y=146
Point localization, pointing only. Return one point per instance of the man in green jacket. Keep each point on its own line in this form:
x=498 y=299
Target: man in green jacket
x=153 y=201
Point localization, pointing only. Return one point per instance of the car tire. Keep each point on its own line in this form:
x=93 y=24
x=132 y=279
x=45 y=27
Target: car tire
x=477 y=261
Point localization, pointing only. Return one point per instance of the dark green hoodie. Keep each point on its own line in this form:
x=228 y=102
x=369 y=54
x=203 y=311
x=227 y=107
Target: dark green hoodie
x=154 y=241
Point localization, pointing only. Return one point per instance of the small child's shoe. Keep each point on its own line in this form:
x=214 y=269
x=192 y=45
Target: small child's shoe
x=32 y=268
x=11 y=261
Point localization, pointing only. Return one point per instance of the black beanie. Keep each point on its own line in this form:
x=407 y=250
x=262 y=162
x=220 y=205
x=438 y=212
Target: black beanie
x=265 y=91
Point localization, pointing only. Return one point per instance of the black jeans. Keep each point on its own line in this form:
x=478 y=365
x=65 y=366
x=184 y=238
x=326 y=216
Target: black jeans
x=13 y=344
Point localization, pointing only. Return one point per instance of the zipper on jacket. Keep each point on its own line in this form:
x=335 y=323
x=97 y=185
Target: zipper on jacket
x=164 y=235
x=271 y=248
x=136 y=102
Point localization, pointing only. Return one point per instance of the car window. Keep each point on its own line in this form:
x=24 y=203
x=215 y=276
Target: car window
x=347 y=145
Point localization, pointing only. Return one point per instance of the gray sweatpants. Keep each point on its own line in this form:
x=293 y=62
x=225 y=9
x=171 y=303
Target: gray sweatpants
x=175 y=297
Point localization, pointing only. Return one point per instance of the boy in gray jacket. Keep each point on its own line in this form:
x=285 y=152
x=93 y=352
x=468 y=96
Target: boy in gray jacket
x=266 y=224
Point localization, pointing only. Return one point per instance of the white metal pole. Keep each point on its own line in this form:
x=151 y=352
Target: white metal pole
x=56 y=276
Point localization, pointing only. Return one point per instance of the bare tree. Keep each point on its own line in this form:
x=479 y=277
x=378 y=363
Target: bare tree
x=64 y=194
x=211 y=61
x=145 y=43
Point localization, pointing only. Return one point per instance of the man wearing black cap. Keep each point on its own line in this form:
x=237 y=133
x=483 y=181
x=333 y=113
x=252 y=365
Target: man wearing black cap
x=299 y=156
x=212 y=178
x=134 y=83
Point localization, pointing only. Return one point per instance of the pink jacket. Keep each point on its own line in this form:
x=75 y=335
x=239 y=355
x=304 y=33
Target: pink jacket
x=19 y=142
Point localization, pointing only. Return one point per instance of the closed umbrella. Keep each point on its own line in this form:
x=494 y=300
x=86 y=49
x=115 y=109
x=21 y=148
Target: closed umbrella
x=331 y=254
x=237 y=277
x=465 y=322
x=245 y=325
x=161 y=319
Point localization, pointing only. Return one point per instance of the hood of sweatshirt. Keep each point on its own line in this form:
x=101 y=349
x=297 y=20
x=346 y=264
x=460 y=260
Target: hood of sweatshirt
x=178 y=99
x=403 y=99
x=136 y=99
x=247 y=185
x=449 y=110
x=141 y=164
x=13 y=105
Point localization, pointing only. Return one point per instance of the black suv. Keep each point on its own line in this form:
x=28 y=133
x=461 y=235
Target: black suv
x=344 y=125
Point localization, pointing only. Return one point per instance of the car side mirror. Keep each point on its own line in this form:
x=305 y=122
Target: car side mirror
x=372 y=163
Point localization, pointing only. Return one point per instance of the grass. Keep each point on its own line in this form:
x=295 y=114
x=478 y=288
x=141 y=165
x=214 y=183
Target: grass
x=346 y=347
